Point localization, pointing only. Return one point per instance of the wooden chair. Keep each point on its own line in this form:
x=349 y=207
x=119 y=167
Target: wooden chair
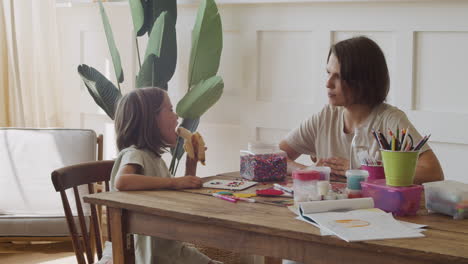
x=72 y=177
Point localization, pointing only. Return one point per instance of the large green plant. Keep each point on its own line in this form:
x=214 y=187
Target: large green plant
x=157 y=20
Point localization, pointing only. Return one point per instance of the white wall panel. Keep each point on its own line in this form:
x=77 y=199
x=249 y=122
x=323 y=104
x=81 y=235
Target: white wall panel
x=453 y=159
x=270 y=135
x=231 y=63
x=440 y=83
x=282 y=68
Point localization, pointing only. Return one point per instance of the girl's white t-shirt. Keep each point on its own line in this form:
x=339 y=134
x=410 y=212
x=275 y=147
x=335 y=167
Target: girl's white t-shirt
x=322 y=135
x=150 y=250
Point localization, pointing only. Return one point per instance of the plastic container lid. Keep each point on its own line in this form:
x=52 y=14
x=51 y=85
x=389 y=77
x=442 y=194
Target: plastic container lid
x=456 y=190
x=306 y=175
x=381 y=183
x=324 y=171
x=259 y=147
x=354 y=177
x=357 y=172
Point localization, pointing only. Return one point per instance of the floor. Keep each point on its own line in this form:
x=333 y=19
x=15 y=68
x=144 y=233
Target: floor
x=62 y=253
x=44 y=253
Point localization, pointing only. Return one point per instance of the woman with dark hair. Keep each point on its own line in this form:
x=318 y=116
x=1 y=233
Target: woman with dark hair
x=357 y=85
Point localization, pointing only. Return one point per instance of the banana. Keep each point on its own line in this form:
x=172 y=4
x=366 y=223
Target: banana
x=194 y=144
x=187 y=136
x=199 y=146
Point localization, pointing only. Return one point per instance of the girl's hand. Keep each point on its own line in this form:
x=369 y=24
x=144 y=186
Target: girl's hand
x=187 y=182
x=338 y=165
x=190 y=166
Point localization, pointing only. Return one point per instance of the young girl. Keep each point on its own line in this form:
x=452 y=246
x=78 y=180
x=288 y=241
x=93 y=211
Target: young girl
x=145 y=125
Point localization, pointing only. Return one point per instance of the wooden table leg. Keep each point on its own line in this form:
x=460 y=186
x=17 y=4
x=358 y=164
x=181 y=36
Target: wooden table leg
x=122 y=250
x=272 y=260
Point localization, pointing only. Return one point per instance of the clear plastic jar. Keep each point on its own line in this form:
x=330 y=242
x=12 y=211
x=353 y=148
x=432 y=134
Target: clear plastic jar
x=263 y=162
x=305 y=185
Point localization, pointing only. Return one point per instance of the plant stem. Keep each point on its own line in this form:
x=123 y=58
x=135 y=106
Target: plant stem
x=171 y=167
x=177 y=166
x=138 y=51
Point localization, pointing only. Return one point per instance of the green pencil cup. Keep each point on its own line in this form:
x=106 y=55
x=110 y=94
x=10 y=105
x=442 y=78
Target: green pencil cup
x=399 y=167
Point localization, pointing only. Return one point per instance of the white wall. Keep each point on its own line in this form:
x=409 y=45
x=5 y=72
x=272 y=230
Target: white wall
x=273 y=65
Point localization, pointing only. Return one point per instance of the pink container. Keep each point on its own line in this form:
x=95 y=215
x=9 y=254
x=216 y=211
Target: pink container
x=397 y=200
x=376 y=172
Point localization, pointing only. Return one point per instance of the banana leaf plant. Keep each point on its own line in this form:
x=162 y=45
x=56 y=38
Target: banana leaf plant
x=157 y=20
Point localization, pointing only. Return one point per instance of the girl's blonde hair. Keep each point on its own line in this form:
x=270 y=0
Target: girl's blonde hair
x=135 y=120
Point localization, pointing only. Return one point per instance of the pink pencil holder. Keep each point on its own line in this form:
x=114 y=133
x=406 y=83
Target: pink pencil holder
x=376 y=172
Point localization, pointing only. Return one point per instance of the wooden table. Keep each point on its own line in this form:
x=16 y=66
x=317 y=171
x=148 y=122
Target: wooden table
x=268 y=230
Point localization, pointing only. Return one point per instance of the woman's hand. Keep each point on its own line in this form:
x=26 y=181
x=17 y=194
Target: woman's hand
x=187 y=182
x=338 y=166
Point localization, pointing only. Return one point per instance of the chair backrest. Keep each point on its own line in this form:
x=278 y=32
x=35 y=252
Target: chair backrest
x=27 y=156
x=72 y=177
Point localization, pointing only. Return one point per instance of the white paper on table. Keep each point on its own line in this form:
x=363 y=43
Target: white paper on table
x=324 y=232
x=360 y=225
x=382 y=225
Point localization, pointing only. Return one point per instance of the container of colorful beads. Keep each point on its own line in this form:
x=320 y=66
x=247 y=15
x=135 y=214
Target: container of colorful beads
x=263 y=162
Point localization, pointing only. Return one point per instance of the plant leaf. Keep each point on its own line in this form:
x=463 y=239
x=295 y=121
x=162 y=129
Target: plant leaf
x=161 y=54
x=200 y=98
x=207 y=43
x=178 y=151
x=151 y=74
x=111 y=43
x=104 y=92
x=138 y=16
x=163 y=38
x=154 y=8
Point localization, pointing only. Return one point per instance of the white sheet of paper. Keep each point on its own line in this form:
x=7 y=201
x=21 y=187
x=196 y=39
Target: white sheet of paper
x=325 y=232
x=360 y=225
x=359 y=221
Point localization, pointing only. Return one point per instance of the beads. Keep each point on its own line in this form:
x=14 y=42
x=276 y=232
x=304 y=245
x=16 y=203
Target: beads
x=263 y=167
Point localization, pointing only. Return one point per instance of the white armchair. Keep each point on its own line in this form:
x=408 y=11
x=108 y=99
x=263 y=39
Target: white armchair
x=29 y=204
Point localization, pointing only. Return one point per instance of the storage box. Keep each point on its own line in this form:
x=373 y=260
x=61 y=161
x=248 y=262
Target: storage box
x=397 y=200
x=305 y=185
x=447 y=197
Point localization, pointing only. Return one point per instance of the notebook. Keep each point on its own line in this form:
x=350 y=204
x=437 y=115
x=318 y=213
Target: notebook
x=358 y=223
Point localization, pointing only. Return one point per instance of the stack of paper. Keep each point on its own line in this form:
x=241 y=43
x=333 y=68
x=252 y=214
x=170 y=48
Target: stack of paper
x=365 y=223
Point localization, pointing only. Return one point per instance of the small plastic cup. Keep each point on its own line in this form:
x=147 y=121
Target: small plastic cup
x=399 y=167
x=376 y=172
x=354 y=178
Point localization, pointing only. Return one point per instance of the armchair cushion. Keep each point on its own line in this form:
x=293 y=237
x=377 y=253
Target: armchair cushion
x=27 y=157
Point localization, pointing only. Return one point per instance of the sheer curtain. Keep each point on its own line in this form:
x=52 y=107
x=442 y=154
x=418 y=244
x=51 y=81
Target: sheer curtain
x=30 y=85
